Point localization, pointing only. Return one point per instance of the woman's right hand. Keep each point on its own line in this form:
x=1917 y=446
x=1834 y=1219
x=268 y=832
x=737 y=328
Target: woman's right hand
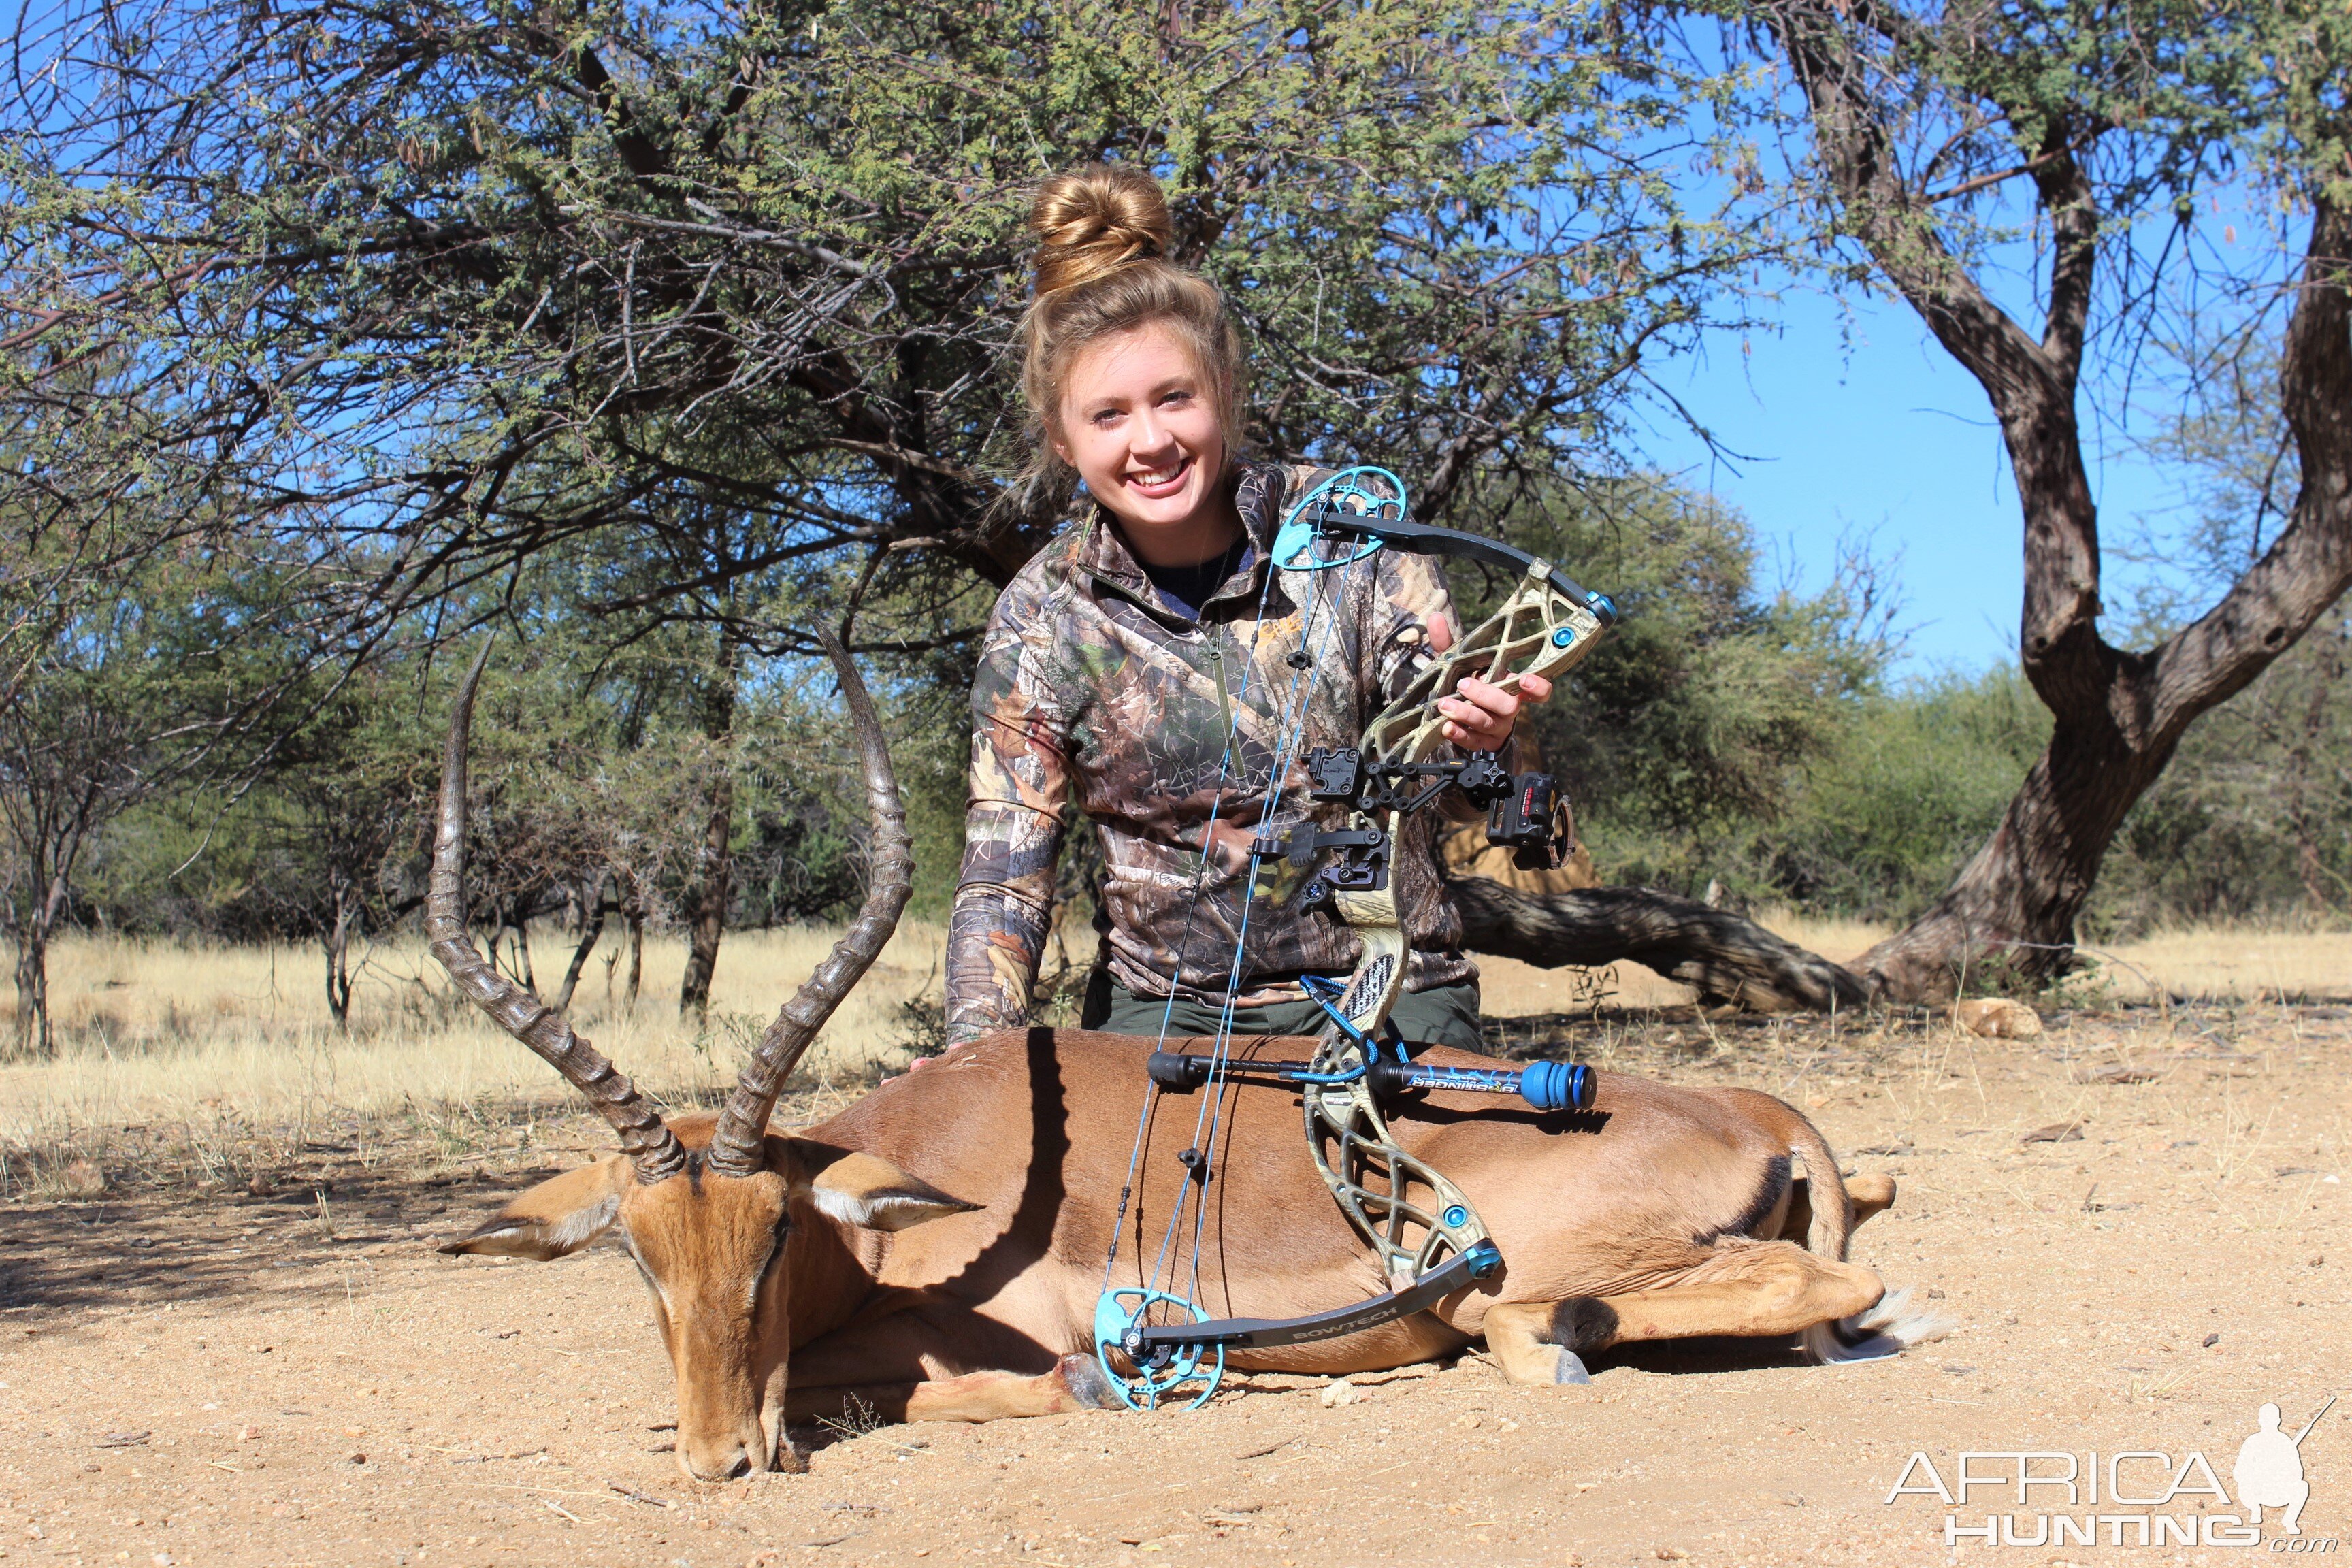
x=1481 y=715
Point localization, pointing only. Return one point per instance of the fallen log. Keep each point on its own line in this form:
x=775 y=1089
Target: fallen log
x=1727 y=957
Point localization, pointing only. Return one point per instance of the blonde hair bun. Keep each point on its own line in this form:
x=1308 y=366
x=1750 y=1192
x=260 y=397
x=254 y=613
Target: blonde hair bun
x=1091 y=222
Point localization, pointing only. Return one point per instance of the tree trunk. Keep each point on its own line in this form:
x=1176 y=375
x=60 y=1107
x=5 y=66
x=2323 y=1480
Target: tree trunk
x=2117 y=716
x=1727 y=957
x=33 y=992
x=34 y=1030
x=2011 y=911
x=2309 y=868
x=519 y=923
x=592 y=925
x=706 y=915
x=706 y=912
x=635 y=918
x=338 y=974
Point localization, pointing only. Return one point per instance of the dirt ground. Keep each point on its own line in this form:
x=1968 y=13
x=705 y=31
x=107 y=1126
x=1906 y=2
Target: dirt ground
x=200 y=1377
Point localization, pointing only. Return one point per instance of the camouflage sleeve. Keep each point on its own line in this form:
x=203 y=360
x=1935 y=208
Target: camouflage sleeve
x=1408 y=592
x=1013 y=826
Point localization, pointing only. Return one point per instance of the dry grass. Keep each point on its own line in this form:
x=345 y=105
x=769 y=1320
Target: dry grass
x=2221 y=964
x=212 y=1062
x=219 y=1064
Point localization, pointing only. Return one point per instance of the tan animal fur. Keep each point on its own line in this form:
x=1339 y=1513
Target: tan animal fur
x=935 y=1252
x=1660 y=1213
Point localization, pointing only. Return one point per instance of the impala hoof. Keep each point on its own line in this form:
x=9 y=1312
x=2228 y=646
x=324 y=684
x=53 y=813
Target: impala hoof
x=1571 y=1369
x=1090 y=1389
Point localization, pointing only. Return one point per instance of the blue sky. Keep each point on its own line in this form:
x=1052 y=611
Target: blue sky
x=1862 y=423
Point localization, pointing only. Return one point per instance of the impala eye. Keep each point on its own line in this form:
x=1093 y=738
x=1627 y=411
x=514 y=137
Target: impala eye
x=776 y=1239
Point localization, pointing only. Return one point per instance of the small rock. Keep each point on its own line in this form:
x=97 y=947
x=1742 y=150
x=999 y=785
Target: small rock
x=358 y=1459
x=261 y=1186
x=1672 y=1554
x=2116 y=1072
x=1958 y=1369
x=1997 y=1018
x=1340 y=1391
x=2056 y=1132
x=2212 y=1339
x=1466 y=1420
x=1935 y=1292
x=248 y=1433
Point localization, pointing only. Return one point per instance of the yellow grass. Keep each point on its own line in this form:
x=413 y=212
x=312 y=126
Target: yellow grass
x=160 y=1031
x=235 y=1044
x=2215 y=963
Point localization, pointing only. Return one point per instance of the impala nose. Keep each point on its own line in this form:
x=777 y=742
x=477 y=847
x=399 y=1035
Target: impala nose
x=729 y=1463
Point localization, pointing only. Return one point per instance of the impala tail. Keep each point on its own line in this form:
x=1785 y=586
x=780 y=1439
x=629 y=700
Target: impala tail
x=1839 y=1203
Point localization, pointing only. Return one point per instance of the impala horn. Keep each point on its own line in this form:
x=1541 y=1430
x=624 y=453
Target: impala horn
x=645 y=1137
x=735 y=1145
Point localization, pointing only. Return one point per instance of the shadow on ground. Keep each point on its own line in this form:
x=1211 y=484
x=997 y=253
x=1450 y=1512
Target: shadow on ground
x=153 y=1248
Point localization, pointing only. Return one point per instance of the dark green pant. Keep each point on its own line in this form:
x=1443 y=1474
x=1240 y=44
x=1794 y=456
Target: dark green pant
x=1445 y=1016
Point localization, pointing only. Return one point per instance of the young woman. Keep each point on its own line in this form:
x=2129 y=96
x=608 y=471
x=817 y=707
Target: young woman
x=1152 y=663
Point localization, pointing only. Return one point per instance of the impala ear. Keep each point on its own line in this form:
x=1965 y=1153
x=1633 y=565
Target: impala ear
x=554 y=1219
x=862 y=1190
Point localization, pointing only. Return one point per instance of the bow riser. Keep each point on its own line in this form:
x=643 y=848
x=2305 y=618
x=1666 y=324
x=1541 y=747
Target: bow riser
x=1538 y=630
x=1414 y=1216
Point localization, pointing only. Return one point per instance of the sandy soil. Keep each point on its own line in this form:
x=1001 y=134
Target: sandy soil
x=195 y=1379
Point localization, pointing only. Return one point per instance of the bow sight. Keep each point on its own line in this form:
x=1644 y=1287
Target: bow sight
x=1526 y=813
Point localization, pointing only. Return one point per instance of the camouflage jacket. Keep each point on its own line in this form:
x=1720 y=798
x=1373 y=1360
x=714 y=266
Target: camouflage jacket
x=1091 y=689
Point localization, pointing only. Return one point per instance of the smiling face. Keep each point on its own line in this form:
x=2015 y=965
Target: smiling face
x=1139 y=422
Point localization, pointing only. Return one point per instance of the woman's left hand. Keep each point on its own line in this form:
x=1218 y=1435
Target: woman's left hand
x=1481 y=716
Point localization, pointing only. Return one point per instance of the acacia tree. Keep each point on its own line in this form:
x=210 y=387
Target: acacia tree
x=156 y=681
x=438 y=288
x=345 y=802
x=2092 y=133
x=470 y=281
x=70 y=755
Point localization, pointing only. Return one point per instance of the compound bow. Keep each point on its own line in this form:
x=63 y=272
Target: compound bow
x=1429 y=1246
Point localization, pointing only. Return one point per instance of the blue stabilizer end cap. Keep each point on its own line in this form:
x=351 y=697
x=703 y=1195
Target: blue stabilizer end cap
x=1557 y=1086
x=1484 y=1258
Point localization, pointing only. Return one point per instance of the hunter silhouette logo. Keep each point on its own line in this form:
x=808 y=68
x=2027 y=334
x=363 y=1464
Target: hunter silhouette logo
x=2269 y=1472
x=2137 y=1497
